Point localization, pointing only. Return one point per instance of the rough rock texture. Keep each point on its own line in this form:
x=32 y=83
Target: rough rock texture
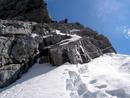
x=27 y=10
x=86 y=45
x=24 y=43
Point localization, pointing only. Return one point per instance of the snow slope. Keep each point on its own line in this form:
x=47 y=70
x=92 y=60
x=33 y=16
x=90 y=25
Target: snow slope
x=105 y=77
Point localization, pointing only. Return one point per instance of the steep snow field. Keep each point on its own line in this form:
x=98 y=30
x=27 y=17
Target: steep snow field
x=105 y=77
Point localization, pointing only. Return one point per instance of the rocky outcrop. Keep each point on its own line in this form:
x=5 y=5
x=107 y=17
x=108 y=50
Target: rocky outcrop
x=24 y=43
x=83 y=45
x=26 y=10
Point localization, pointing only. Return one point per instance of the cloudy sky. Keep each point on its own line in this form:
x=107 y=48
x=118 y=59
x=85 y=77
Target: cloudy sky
x=109 y=17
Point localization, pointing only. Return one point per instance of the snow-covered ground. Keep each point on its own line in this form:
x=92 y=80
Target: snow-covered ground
x=105 y=77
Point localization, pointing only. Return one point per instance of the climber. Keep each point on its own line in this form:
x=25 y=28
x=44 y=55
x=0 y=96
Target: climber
x=66 y=21
x=45 y=4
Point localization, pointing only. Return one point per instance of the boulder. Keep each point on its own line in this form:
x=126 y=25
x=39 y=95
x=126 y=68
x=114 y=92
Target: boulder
x=9 y=73
x=16 y=55
x=80 y=51
x=15 y=28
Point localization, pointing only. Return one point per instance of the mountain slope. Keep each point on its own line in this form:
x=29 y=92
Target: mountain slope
x=23 y=43
x=42 y=81
x=105 y=77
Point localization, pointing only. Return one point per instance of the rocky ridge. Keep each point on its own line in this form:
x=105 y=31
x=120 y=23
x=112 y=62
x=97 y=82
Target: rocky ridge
x=24 y=43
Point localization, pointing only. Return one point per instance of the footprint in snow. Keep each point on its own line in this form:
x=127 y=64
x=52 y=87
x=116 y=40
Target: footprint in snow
x=101 y=86
x=93 y=81
x=69 y=85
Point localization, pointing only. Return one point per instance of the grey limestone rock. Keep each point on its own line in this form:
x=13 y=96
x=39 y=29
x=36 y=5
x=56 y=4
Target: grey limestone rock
x=28 y=36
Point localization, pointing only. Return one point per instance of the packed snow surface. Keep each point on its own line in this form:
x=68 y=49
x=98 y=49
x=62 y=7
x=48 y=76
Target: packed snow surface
x=105 y=77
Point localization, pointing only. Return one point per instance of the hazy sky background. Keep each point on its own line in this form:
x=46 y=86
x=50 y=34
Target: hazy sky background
x=109 y=17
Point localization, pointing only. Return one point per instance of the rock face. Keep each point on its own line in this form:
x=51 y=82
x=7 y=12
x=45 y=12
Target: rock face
x=16 y=52
x=27 y=10
x=24 y=43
